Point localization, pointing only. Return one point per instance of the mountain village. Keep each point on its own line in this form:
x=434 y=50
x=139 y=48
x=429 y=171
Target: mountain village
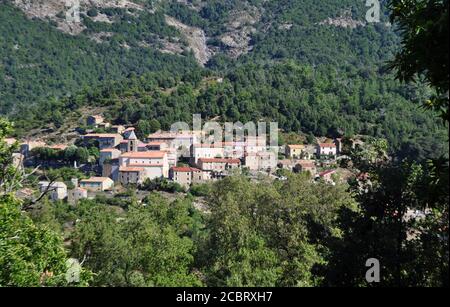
x=181 y=157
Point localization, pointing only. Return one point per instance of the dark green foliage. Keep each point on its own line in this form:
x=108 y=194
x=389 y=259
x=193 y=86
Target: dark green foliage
x=145 y=246
x=412 y=252
x=47 y=155
x=425 y=47
x=320 y=102
x=159 y=184
x=37 y=61
x=270 y=234
x=318 y=79
x=200 y=189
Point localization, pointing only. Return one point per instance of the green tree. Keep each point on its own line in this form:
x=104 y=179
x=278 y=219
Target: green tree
x=412 y=248
x=82 y=155
x=270 y=234
x=30 y=255
x=425 y=47
x=8 y=173
x=143 y=247
x=70 y=153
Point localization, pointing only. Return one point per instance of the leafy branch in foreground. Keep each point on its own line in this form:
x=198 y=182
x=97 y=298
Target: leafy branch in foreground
x=30 y=254
x=424 y=27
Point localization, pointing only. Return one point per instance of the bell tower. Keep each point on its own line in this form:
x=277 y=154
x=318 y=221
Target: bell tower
x=132 y=142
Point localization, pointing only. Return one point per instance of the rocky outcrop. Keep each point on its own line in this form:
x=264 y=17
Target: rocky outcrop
x=236 y=39
x=195 y=38
x=240 y=28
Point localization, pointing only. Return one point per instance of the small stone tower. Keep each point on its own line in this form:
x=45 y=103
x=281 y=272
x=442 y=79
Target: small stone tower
x=132 y=142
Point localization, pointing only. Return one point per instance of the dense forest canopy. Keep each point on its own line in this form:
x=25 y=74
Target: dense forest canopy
x=308 y=74
x=263 y=232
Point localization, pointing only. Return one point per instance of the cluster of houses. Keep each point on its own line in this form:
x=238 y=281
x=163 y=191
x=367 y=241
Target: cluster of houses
x=59 y=190
x=127 y=160
x=124 y=159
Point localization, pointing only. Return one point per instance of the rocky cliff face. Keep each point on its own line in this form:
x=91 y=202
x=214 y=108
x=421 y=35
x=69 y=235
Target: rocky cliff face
x=239 y=26
x=234 y=37
x=195 y=38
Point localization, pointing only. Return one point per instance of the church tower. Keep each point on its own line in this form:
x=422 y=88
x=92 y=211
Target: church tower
x=132 y=142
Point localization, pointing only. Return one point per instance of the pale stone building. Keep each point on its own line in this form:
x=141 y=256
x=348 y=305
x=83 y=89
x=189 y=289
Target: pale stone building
x=27 y=146
x=157 y=146
x=131 y=175
x=117 y=129
x=305 y=166
x=110 y=168
x=326 y=149
x=261 y=161
x=182 y=140
x=218 y=164
x=97 y=184
x=94 y=120
x=18 y=160
x=327 y=176
x=295 y=151
x=151 y=164
x=200 y=151
x=56 y=190
x=185 y=175
x=286 y=164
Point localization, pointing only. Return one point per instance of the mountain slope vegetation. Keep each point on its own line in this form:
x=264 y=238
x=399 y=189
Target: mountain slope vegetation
x=318 y=68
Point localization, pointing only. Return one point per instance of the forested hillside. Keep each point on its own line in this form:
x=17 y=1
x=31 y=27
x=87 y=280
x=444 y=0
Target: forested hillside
x=319 y=68
x=316 y=67
x=39 y=62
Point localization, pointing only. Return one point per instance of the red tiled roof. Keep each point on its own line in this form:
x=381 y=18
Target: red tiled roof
x=185 y=169
x=109 y=150
x=155 y=143
x=144 y=154
x=130 y=169
x=145 y=165
x=331 y=171
x=220 y=160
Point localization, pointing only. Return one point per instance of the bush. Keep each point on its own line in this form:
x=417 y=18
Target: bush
x=200 y=189
x=162 y=184
x=92 y=12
